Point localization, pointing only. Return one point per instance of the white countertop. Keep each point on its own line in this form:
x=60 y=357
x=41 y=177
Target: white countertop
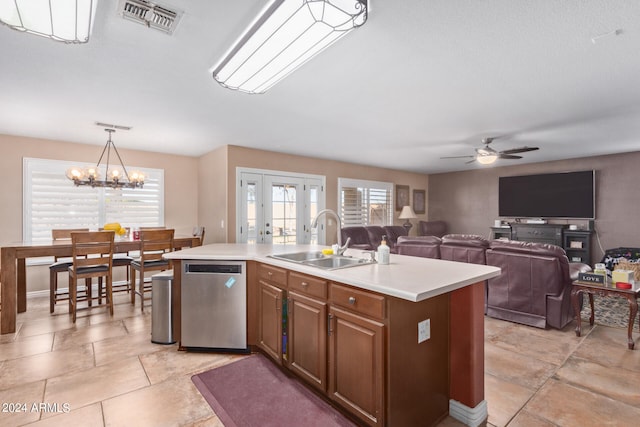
x=407 y=277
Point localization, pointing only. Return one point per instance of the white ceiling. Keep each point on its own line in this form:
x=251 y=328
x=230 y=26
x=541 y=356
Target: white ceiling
x=422 y=79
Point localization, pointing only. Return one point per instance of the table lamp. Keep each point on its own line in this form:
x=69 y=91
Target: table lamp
x=407 y=214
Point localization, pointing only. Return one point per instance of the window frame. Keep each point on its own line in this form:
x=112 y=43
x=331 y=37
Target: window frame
x=368 y=185
x=100 y=197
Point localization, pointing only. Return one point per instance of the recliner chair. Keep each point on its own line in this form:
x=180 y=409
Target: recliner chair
x=534 y=287
x=359 y=237
x=422 y=246
x=466 y=248
x=432 y=228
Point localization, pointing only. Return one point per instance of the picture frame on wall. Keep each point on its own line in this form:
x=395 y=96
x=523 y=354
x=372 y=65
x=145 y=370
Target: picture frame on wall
x=419 y=203
x=402 y=196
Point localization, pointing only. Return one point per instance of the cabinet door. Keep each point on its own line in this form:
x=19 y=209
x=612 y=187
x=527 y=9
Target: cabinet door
x=356 y=364
x=307 y=346
x=270 y=320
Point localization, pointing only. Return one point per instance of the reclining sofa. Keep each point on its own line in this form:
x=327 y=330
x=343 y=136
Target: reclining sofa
x=534 y=287
x=369 y=237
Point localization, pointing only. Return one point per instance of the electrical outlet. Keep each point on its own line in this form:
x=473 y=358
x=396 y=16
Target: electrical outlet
x=424 y=330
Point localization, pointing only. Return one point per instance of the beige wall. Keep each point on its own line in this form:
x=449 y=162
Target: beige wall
x=181 y=185
x=212 y=196
x=270 y=160
x=468 y=201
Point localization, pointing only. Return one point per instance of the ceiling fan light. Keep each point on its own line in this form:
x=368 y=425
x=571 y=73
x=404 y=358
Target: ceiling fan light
x=487 y=159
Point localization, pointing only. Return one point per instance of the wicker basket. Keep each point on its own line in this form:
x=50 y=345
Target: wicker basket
x=628 y=265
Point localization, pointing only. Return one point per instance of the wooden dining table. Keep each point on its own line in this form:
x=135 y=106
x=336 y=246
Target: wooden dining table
x=13 y=277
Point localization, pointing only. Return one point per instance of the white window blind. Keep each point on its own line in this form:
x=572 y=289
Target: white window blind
x=363 y=202
x=51 y=201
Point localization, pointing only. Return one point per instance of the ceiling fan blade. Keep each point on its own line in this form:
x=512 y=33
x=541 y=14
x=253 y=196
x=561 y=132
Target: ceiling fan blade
x=470 y=161
x=519 y=150
x=509 y=156
x=458 y=157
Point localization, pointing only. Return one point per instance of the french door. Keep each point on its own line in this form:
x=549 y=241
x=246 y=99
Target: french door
x=277 y=207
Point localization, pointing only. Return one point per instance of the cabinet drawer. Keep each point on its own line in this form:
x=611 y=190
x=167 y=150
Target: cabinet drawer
x=272 y=274
x=308 y=285
x=356 y=300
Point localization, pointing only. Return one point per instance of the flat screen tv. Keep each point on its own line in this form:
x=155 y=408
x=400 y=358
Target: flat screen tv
x=552 y=195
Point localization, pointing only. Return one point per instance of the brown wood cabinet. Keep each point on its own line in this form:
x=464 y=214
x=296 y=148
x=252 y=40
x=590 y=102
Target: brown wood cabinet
x=270 y=326
x=356 y=364
x=356 y=347
x=307 y=339
x=307 y=328
x=271 y=284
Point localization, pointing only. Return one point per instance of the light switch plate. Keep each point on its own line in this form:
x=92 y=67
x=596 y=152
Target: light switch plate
x=424 y=330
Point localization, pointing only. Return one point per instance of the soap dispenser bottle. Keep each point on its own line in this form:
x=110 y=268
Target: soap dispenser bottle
x=383 y=251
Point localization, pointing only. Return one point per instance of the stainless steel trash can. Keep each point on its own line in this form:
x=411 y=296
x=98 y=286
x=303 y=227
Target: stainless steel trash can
x=161 y=312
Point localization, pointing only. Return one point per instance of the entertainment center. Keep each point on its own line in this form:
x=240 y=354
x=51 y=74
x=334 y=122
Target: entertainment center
x=564 y=195
x=576 y=243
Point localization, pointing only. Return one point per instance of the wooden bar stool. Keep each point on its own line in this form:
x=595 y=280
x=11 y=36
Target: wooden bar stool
x=123 y=260
x=92 y=257
x=60 y=265
x=153 y=244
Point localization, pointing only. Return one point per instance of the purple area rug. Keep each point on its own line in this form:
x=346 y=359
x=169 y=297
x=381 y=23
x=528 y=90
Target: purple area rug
x=254 y=392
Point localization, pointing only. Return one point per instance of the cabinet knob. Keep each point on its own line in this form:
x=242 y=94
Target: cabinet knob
x=269 y=273
x=305 y=284
x=352 y=300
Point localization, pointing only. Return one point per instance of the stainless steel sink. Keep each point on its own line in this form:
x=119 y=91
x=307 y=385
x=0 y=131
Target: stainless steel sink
x=318 y=260
x=336 y=262
x=298 y=256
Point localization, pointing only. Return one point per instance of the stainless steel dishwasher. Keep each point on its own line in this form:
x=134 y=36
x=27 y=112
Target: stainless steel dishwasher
x=214 y=305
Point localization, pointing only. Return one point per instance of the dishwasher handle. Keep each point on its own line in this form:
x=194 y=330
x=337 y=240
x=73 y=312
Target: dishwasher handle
x=213 y=269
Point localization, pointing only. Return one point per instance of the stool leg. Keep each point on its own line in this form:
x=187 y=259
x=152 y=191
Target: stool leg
x=53 y=288
x=142 y=289
x=89 y=287
x=133 y=286
x=99 y=290
x=110 y=294
x=73 y=302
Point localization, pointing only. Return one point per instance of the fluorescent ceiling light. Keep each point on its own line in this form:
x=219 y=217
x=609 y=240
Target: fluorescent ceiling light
x=283 y=37
x=68 y=21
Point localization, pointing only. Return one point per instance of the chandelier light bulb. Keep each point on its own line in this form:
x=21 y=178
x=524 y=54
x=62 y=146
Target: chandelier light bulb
x=92 y=173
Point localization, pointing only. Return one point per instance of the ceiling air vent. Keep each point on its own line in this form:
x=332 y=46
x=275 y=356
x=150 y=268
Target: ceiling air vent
x=150 y=14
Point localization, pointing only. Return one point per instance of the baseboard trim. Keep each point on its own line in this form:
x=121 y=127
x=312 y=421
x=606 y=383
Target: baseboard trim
x=472 y=417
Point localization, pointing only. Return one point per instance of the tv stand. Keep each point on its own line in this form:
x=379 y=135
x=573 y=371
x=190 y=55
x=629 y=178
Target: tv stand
x=539 y=233
x=576 y=243
x=535 y=221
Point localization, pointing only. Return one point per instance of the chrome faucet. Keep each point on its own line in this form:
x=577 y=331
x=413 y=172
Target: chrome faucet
x=314 y=224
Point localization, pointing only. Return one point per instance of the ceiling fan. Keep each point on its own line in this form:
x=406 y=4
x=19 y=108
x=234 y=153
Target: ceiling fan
x=487 y=155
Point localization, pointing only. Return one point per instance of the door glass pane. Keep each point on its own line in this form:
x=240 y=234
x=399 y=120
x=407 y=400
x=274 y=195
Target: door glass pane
x=313 y=211
x=284 y=220
x=252 y=233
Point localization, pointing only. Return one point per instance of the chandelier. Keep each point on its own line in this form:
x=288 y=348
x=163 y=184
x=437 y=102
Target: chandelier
x=115 y=176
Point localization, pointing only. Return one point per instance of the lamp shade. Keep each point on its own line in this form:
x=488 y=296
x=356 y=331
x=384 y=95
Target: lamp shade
x=407 y=213
x=284 y=36
x=60 y=20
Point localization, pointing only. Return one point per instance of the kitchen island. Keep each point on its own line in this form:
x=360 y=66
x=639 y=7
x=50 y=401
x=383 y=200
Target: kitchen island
x=398 y=344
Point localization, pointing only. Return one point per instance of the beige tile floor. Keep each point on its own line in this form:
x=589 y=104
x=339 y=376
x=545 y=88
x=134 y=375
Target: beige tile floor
x=104 y=371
